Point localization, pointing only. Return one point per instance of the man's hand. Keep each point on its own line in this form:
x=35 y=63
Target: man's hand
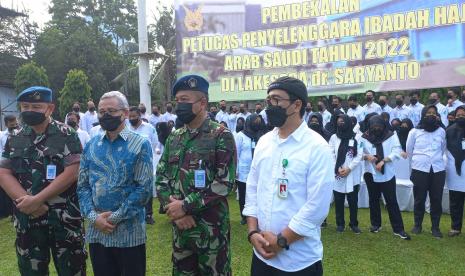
x=28 y=204
x=174 y=209
x=43 y=209
x=261 y=245
x=379 y=166
x=103 y=224
x=272 y=242
x=185 y=223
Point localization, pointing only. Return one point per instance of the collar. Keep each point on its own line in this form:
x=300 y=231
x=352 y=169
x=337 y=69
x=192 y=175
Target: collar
x=205 y=127
x=297 y=134
x=124 y=134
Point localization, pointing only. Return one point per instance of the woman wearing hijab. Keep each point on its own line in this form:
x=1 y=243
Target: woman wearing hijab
x=455 y=170
x=246 y=140
x=387 y=119
x=316 y=124
x=348 y=153
x=331 y=126
x=402 y=166
x=364 y=123
x=426 y=146
x=239 y=125
x=380 y=148
x=395 y=123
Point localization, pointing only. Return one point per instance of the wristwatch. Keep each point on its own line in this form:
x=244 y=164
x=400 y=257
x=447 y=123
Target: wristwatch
x=282 y=242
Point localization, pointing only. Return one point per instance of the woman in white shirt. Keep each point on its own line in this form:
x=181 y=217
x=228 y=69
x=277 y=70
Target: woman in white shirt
x=426 y=146
x=380 y=148
x=246 y=141
x=455 y=172
x=347 y=153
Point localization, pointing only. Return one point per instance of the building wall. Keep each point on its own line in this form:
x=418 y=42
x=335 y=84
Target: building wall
x=7 y=104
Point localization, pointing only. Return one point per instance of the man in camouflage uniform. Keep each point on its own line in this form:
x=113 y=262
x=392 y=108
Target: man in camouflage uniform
x=195 y=175
x=38 y=170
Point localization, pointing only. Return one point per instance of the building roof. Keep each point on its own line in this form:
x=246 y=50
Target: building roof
x=4 y=13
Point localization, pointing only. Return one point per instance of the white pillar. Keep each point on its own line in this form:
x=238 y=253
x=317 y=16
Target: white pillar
x=144 y=69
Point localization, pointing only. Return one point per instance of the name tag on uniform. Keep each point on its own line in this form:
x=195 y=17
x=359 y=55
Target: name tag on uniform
x=282 y=187
x=253 y=145
x=351 y=142
x=463 y=144
x=51 y=172
x=199 y=178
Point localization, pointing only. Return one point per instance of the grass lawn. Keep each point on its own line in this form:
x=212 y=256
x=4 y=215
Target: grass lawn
x=344 y=254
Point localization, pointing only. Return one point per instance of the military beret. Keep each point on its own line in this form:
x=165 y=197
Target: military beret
x=192 y=83
x=292 y=86
x=35 y=94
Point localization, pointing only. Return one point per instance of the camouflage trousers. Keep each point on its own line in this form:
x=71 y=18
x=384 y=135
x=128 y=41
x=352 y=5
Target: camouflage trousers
x=202 y=250
x=33 y=248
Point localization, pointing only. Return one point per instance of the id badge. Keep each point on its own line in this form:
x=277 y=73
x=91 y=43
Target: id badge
x=253 y=145
x=199 y=178
x=351 y=142
x=463 y=144
x=51 y=172
x=282 y=187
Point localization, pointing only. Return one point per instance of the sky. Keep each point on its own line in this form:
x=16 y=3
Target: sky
x=39 y=8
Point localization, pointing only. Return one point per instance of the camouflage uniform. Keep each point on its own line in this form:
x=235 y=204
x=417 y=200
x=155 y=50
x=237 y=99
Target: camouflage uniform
x=204 y=249
x=61 y=228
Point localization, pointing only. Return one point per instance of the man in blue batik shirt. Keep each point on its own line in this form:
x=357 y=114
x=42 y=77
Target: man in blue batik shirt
x=115 y=183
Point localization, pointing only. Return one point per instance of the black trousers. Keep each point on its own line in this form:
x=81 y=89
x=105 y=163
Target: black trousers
x=352 y=199
x=260 y=268
x=112 y=261
x=456 y=200
x=149 y=208
x=241 y=188
x=388 y=190
x=428 y=183
x=6 y=204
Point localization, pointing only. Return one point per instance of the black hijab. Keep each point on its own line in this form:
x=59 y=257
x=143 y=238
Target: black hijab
x=387 y=118
x=345 y=133
x=331 y=126
x=253 y=130
x=319 y=129
x=240 y=125
x=163 y=131
x=364 y=123
x=377 y=140
x=423 y=124
x=403 y=132
x=454 y=137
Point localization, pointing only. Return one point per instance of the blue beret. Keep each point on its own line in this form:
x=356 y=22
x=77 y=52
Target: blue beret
x=192 y=83
x=35 y=94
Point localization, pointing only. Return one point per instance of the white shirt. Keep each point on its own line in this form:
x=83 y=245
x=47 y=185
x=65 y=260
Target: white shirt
x=326 y=117
x=454 y=181
x=392 y=150
x=264 y=117
x=166 y=117
x=242 y=115
x=88 y=120
x=307 y=116
x=401 y=113
x=443 y=112
x=96 y=131
x=346 y=184
x=454 y=105
x=81 y=115
x=144 y=116
x=83 y=137
x=222 y=116
x=357 y=113
x=310 y=177
x=148 y=131
x=426 y=149
x=415 y=113
x=232 y=122
x=3 y=137
x=154 y=120
x=372 y=108
x=244 y=147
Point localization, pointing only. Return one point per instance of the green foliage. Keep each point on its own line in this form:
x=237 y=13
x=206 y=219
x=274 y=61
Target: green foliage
x=30 y=74
x=76 y=89
x=18 y=36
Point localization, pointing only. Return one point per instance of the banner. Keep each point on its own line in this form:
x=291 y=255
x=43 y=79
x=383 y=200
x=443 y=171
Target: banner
x=334 y=46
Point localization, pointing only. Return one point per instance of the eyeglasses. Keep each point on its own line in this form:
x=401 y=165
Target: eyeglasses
x=110 y=111
x=272 y=100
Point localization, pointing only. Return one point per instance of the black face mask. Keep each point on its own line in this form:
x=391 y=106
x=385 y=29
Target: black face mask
x=33 y=118
x=109 y=123
x=308 y=109
x=239 y=127
x=335 y=106
x=155 y=113
x=242 y=110
x=340 y=125
x=460 y=122
x=463 y=98
x=430 y=122
x=382 y=103
x=432 y=101
x=255 y=127
x=169 y=109
x=143 y=110
x=76 y=109
x=369 y=99
x=276 y=115
x=92 y=109
x=413 y=101
x=353 y=106
x=223 y=108
x=399 y=102
x=403 y=130
x=377 y=132
x=315 y=126
x=320 y=108
x=185 y=113
x=449 y=96
x=258 y=110
x=11 y=129
x=134 y=122
x=72 y=124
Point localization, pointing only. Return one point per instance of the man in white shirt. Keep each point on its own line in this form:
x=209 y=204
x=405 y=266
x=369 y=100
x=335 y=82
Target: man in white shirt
x=11 y=124
x=308 y=112
x=96 y=131
x=90 y=117
x=415 y=108
x=383 y=103
x=232 y=120
x=337 y=104
x=222 y=115
x=370 y=106
x=169 y=115
x=155 y=117
x=143 y=112
x=289 y=188
x=147 y=131
x=324 y=112
x=442 y=109
x=401 y=111
x=243 y=112
x=452 y=101
x=355 y=110
x=73 y=120
x=76 y=109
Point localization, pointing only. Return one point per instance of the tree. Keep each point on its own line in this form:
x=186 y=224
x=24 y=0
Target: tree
x=18 y=36
x=76 y=89
x=29 y=75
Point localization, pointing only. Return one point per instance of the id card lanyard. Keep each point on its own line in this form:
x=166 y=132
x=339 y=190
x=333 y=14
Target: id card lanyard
x=283 y=182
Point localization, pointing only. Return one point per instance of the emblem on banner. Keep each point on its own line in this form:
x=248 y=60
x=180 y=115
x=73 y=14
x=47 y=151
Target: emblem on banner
x=194 y=19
